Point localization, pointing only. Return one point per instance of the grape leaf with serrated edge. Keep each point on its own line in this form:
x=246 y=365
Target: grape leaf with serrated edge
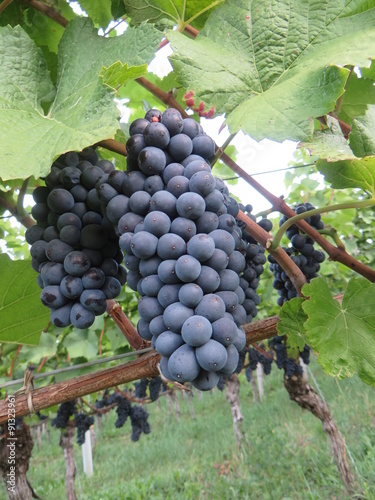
x=281 y=76
x=359 y=173
x=359 y=93
x=362 y=135
x=98 y=10
x=343 y=335
x=118 y=74
x=329 y=143
x=292 y=319
x=83 y=111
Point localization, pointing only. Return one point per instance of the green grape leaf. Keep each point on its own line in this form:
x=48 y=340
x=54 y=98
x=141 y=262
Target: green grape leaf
x=82 y=111
x=47 y=347
x=343 y=335
x=369 y=71
x=98 y=10
x=23 y=316
x=179 y=11
x=359 y=93
x=12 y=14
x=292 y=319
x=115 y=337
x=362 y=135
x=117 y=8
x=287 y=68
x=118 y=74
x=329 y=143
x=350 y=173
x=42 y=29
x=81 y=343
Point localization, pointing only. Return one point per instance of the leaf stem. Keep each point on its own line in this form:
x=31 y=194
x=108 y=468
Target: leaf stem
x=119 y=317
x=220 y=150
x=264 y=213
x=23 y=218
x=332 y=232
x=262 y=237
x=49 y=12
x=315 y=211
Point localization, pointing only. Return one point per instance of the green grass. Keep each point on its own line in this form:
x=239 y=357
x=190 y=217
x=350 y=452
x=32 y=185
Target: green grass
x=288 y=456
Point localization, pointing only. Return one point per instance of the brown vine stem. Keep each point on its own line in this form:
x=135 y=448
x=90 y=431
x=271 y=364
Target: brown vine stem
x=336 y=254
x=4 y=5
x=261 y=236
x=146 y=366
x=49 y=12
x=114 y=146
x=44 y=397
x=119 y=317
x=23 y=218
x=193 y=32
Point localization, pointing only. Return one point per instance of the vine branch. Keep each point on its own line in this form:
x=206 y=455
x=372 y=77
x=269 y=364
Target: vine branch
x=49 y=12
x=4 y=5
x=294 y=273
x=22 y=216
x=44 y=397
x=332 y=208
x=119 y=317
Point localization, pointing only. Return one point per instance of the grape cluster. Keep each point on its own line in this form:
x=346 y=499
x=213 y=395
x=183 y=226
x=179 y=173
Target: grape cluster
x=254 y=356
x=283 y=361
x=123 y=410
x=74 y=247
x=182 y=248
x=64 y=412
x=140 y=388
x=139 y=422
x=83 y=423
x=255 y=260
x=302 y=252
x=154 y=385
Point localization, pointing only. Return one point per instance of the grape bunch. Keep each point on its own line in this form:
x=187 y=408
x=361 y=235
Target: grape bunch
x=83 y=423
x=140 y=388
x=139 y=422
x=255 y=259
x=64 y=412
x=74 y=247
x=180 y=242
x=153 y=385
x=302 y=252
x=124 y=409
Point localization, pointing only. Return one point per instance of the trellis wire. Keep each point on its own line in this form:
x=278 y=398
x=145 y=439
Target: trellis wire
x=76 y=367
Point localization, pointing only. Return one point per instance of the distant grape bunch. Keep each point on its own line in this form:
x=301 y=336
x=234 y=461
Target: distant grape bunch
x=74 y=248
x=308 y=259
x=124 y=409
x=302 y=252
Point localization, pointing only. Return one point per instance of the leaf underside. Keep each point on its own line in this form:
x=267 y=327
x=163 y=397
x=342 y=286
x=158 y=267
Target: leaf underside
x=23 y=316
x=343 y=335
